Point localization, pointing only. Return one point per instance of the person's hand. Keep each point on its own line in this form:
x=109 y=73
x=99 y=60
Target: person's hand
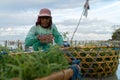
x=47 y=38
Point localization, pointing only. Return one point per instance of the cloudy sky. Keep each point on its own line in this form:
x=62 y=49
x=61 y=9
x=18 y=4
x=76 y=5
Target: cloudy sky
x=18 y=16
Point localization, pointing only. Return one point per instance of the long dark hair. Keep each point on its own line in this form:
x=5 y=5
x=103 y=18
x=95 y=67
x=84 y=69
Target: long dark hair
x=38 y=22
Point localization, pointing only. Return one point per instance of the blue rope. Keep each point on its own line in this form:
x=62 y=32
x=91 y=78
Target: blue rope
x=2 y=53
x=76 y=70
x=115 y=48
x=70 y=55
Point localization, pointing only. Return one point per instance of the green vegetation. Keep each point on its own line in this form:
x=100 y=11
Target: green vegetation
x=31 y=66
x=116 y=35
x=4 y=49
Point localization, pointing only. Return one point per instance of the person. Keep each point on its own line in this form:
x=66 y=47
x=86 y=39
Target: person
x=42 y=34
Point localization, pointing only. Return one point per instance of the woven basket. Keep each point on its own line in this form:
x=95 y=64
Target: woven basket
x=95 y=61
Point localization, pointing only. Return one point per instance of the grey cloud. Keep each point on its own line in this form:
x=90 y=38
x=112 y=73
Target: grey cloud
x=37 y=4
x=13 y=9
x=10 y=15
x=16 y=19
x=88 y=26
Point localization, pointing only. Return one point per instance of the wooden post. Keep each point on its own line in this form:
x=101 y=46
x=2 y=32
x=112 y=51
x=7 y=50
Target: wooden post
x=62 y=75
x=18 y=43
x=5 y=43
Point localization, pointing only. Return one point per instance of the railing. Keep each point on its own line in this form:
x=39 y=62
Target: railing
x=20 y=44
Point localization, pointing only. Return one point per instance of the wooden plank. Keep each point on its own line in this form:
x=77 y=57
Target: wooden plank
x=18 y=53
x=62 y=75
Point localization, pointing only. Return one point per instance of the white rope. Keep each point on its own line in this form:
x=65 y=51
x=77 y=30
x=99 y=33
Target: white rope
x=77 y=26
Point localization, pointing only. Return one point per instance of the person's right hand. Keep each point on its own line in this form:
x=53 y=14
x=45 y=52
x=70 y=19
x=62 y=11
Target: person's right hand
x=47 y=38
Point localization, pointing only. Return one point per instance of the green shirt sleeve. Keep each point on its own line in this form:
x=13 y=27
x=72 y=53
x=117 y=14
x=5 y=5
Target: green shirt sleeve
x=31 y=37
x=57 y=36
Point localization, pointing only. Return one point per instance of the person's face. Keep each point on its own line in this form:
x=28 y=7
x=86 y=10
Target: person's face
x=45 y=20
